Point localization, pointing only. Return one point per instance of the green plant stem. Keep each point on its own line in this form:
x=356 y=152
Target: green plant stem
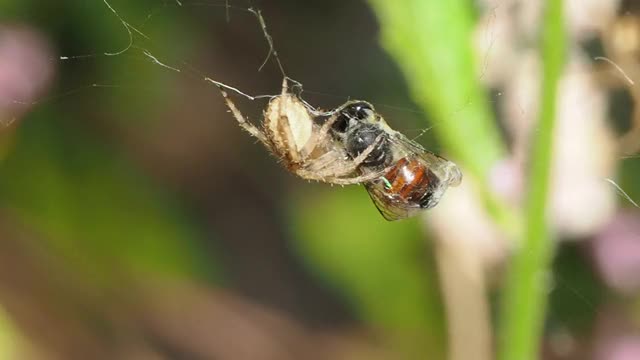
x=431 y=41
x=526 y=290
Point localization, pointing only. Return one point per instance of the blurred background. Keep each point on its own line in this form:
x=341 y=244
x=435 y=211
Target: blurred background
x=137 y=221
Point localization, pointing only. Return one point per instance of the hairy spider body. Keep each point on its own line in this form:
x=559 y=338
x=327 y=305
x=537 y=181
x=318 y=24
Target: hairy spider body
x=305 y=147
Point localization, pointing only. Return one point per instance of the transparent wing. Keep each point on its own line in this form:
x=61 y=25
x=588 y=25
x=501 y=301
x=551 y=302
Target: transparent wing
x=392 y=208
x=448 y=172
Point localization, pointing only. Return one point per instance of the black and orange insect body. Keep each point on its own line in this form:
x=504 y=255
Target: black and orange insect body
x=411 y=182
x=413 y=178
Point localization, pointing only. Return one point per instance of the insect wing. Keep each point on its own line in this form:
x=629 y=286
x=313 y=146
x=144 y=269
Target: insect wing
x=447 y=172
x=390 y=207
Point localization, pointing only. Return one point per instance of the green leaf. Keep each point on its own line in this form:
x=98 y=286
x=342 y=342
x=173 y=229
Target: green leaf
x=431 y=41
x=93 y=207
x=383 y=268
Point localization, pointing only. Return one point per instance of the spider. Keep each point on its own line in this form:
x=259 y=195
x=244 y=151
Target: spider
x=299 y=136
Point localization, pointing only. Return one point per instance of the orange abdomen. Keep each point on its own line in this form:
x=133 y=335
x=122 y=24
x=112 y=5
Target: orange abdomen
x=410 y=180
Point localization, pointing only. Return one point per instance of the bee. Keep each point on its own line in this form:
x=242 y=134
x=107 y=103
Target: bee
x=413 y=178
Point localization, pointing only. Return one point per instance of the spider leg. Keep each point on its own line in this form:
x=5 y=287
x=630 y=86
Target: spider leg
x=318 y=137
x=363 y=155
x=344 y=180
x=331 y=158
x=341 y=173
x=250 y=128
x=291 y=152
x=359 y=179
x=340 y=170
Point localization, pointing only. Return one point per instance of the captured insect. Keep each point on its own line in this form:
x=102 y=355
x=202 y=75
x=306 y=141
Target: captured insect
x=351 y=144
x=413 y=179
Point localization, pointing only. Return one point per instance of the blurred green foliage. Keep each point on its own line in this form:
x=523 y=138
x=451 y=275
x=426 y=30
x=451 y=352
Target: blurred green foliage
x=9 y=338
x=95 y=208
x=385 y=269
x=74 y=182
x=77 y=188
x=442 y=72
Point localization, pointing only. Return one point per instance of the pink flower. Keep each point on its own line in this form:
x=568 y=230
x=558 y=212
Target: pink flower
x=26 y=67
x=617 y=252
